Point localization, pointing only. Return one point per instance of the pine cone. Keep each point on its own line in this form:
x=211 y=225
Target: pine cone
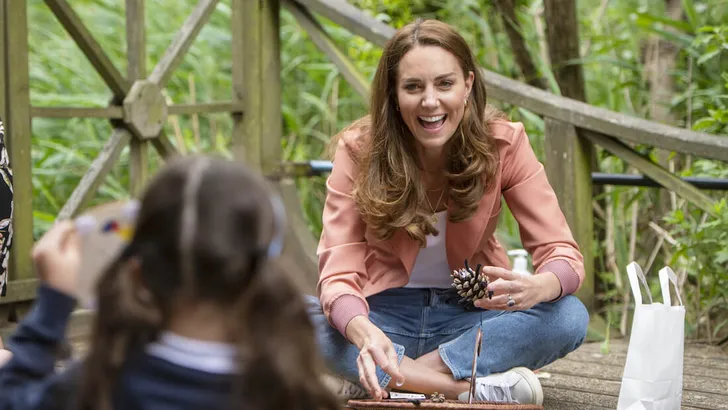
x=470 y=284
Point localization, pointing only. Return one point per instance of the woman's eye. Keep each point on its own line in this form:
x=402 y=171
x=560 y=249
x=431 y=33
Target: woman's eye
x=410 y=87
x=446 y=83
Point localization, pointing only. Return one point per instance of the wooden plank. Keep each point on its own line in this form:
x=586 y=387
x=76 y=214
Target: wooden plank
x=564 y=399
x=623 y=126
x=112 y=112
x=713 y=368
x=136 y=70
x=206 y=108
x=136 y=55
x=96 y=173
x=580 y=114
x=300 y=244
x=164 y=146
x=692 y=349
x=595 y=385
x=568 y=166
x=90 y=47
x=79 y=325
x=18 y=135
x=181 y=43
x=653 y=171
x=324 y=42
x=354 y=19
x=238 y=32
x=21 y=290
x=3 y=71
x=139 y=166
x=260 y=145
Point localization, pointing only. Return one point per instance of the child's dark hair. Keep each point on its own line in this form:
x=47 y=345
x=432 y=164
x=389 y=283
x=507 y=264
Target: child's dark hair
x=205 y=232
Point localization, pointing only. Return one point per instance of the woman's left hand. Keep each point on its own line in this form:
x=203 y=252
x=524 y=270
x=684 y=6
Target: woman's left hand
x=525 y=291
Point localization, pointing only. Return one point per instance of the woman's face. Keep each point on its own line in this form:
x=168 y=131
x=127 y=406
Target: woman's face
x=431 y=93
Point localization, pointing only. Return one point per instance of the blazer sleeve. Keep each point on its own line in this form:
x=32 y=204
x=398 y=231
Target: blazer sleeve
x=342 y=246
x=544 y=231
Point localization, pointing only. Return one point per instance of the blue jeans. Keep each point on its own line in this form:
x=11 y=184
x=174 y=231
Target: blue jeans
x=419 y=321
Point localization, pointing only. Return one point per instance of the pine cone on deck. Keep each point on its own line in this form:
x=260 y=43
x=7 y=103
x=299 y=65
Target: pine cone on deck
x=470 y=284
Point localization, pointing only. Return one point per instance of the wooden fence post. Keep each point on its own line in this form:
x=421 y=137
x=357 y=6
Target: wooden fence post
x=18 y=134
x=256 y=82
x=568 y=166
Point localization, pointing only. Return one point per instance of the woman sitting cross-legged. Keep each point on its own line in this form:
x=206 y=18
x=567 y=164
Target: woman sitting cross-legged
x=415 y=191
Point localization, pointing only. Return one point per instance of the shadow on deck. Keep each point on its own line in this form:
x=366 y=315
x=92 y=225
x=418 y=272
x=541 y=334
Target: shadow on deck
x=585 y=379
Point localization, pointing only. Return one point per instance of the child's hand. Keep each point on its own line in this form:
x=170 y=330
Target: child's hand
x=57 y=258
x=5 y=355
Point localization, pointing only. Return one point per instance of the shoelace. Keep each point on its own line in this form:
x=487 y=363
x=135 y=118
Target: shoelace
x=489 y=392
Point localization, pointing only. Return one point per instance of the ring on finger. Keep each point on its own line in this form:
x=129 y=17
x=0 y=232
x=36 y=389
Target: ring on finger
x=511 y=302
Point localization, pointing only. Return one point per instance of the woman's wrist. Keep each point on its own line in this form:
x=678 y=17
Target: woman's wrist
x=549 y=284
x=357 y=330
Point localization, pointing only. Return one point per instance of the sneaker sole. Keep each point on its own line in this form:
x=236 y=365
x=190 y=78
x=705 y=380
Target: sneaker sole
x=533 y=381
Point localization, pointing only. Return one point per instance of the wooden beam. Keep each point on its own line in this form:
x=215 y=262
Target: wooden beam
x=96 y=173
x=136 y=70
x=164 y=146
x=90 y=47
x=3 y=68
x=206 y=108
x=579 y=114
x=568 y=166
x=652 y=170
x=18 y=134
x=260 y=145
x=324 y=42
x=111 y=112
x=354 y=19
x=181 y=43
x=604 y=121
x=22 y=290
x=238 y=76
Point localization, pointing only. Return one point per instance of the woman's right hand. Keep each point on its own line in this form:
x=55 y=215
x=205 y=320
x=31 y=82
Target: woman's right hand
x=375 y=348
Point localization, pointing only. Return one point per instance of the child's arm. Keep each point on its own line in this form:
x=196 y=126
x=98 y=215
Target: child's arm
x=28 y=380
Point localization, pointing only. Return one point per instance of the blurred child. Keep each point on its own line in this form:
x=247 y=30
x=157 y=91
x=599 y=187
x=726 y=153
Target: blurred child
x=192 y=315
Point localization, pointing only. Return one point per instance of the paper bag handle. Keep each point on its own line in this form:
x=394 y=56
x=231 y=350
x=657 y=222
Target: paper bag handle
x=634 y=271
x=666 y=274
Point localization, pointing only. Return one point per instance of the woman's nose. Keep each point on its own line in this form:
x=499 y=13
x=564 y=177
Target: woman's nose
x=430 y=99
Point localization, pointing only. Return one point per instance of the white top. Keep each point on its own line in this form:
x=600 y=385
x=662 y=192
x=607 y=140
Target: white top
x=205 y=356
x=431 y=268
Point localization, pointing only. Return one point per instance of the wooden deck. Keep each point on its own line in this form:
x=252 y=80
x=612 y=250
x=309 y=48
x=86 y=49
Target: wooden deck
x=585 y=379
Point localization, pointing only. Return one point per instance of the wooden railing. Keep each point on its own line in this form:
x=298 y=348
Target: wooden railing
x=137 y=111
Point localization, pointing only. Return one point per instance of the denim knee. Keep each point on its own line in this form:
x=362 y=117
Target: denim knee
x=573 y=321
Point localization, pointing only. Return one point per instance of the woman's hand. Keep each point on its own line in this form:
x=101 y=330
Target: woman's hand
x=526 y=291
x=57 y=258
x=375 y=348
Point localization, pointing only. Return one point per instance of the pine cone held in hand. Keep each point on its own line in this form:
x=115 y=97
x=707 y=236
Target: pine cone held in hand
x=470 y=284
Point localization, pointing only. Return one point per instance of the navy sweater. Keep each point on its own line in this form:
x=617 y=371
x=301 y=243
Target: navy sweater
x=29 y=380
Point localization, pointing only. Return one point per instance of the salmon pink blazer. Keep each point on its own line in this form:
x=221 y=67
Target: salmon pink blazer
x=353 y=264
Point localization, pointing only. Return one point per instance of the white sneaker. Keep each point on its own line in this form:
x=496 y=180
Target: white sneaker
x=344 y=389
x=518 y=385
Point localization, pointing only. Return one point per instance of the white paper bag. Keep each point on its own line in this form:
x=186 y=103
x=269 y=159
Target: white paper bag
x=653 y=372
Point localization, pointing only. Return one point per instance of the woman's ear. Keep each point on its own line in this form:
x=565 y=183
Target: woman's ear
x=469 y=84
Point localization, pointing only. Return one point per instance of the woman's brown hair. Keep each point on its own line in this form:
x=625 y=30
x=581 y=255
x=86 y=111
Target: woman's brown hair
x=388 y=189
x=207 y=231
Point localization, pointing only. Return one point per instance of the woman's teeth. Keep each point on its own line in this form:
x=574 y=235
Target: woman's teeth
x=433 y=122
x=433 y=119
